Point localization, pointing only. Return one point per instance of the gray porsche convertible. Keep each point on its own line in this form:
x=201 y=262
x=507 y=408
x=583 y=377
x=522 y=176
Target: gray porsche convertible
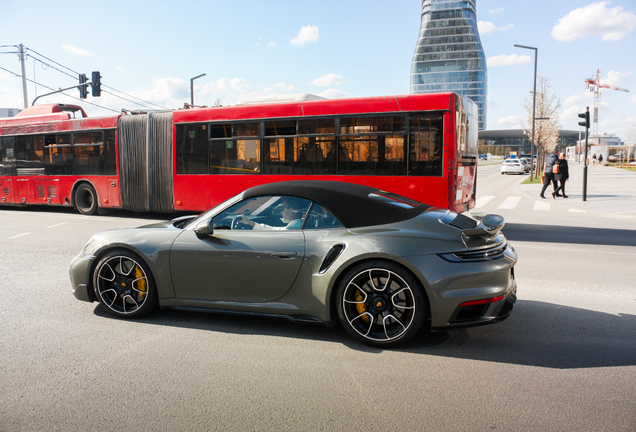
x=382 y=265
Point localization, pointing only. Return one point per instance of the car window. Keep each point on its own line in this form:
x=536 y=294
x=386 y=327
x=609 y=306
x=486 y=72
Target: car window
x=266 y=213
x=320 y=218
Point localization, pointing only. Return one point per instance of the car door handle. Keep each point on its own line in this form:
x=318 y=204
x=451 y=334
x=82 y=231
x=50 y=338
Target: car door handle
x=285 y=255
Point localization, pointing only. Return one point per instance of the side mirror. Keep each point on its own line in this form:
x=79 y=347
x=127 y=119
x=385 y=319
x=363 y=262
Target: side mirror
x=204 y=231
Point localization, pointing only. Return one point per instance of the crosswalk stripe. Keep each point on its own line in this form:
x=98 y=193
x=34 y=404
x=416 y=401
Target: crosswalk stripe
x=482 y=201
x=573 y=210
x=510 y=202
x=538 y=205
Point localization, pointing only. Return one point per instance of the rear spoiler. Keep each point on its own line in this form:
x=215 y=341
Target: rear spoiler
x=488 y=225
x=476 y=226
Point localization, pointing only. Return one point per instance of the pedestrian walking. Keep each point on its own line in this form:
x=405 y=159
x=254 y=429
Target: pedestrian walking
x=561 y=176
x=594 y=159
x=547 y=172
x=600 y=159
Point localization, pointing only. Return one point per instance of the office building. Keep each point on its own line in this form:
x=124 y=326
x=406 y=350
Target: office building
x=449 y=56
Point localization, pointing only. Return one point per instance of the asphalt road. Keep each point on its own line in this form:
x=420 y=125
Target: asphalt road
x=565 y=359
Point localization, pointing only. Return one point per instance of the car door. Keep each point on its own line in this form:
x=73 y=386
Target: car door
x=253 y=254
x=236 y=266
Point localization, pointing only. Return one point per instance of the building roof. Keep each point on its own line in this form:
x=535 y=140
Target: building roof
x=519 y=134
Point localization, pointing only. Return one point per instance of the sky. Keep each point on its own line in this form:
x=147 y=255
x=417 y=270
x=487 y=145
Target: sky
x=147 y=52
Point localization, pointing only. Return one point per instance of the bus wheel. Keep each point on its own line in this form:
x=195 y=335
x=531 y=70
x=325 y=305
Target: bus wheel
x=86 y=199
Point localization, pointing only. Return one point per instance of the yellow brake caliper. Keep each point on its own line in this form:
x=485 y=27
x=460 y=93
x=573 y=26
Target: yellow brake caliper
x=360 y=306
x=142 y=285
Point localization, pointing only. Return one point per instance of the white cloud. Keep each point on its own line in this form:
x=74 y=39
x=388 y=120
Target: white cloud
x=632 y=99
x=333 y=94
x=508 y=60
x=612 y=24
x=494 y=11
x=272 y=44
x=616 y=79
x=486 y=27
x=512 y=121
x=330 y=79
x=579 y=99
x=75 y=50
x=306 y=35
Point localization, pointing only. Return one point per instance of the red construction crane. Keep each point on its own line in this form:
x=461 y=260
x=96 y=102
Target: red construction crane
x=596 y=86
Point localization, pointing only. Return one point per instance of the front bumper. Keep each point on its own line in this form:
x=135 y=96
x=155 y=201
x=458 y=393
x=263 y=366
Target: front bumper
x=79 y=272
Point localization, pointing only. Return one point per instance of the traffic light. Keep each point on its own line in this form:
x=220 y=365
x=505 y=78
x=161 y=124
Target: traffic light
x=97 y=85
x=586 y=116
x=82 y=88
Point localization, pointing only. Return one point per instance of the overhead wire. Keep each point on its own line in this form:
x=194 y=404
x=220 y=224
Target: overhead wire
x=50 y=88
x=75 y=77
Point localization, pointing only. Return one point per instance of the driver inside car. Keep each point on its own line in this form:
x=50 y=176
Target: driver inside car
x=292 y=218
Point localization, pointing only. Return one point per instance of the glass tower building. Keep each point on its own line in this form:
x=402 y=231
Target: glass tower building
x=449 y=56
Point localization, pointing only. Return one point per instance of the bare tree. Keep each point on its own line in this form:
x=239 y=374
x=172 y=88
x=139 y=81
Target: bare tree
x=548 y=106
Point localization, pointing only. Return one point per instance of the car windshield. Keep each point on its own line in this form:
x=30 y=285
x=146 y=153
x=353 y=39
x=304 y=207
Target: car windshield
x=209 y=213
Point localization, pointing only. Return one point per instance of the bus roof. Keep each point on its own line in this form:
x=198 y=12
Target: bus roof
x=379 y=104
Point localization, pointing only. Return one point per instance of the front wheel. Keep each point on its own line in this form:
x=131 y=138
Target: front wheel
x=381 y=304
x=86 y=199
x=124 y=285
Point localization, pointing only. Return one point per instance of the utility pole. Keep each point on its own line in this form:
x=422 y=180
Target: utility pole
x=24 y=88
x=586 y=124
x=534 y=104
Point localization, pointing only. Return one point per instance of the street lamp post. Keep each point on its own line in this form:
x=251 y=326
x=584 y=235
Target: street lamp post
x=192 y=88
x=534 y=103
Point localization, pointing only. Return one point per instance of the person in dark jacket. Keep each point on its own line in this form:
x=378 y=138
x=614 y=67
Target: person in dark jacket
x=561 y=177
x=547 y=172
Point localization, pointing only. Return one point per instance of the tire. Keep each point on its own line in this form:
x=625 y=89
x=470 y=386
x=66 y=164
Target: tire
x=381 y=304
x=86 y=199
x=124 y=285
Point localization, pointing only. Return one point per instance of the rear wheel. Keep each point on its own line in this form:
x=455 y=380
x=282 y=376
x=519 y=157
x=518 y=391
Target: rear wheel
x=381 y=304
x=124 y=285
x=86 y=199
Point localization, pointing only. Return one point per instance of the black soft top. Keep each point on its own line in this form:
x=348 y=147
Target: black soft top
x=349 y=203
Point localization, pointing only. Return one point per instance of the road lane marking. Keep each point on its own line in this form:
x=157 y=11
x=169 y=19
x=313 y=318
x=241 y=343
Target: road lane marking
x=538 y=205
x=482 y=201
x=20 y=235
x=510 y=202
x=573 y=210
x=56 y=225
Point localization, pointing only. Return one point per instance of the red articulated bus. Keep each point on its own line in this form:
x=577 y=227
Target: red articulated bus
x=420 y=146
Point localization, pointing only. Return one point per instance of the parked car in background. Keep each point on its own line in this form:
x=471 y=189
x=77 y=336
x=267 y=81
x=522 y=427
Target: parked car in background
x=526 y=162
x=514 y=166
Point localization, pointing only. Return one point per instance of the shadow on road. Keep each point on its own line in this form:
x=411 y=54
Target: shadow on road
x=576 y=235
x=537 y=334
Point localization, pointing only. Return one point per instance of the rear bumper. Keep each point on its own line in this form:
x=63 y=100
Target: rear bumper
x=490 y=313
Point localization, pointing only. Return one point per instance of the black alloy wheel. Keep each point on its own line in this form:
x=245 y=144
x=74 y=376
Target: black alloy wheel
x=124 y=285
x=381 y=304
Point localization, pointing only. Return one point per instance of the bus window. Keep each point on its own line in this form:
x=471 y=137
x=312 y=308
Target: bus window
x=110 y=152
x=426 y=145
x=235 y=156
x=192 y=149
x=372 y=155
x=7 y=155
x=29 y=150
x=58 y=154
x=88 y=153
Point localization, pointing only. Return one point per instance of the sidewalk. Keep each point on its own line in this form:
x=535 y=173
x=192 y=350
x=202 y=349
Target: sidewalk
x=609 y=189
